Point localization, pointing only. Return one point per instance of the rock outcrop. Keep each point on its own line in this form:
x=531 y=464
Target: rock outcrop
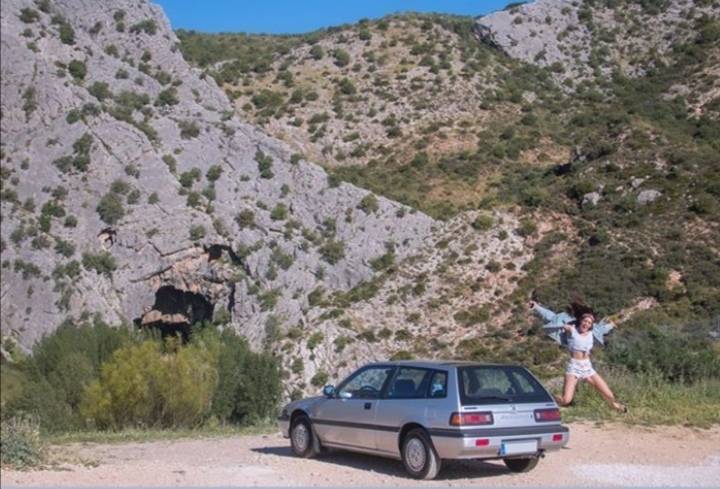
x=582 y=40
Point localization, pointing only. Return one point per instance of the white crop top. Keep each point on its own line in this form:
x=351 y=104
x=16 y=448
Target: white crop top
x=578 y=342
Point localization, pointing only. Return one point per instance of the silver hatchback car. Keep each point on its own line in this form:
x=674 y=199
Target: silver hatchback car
x=423 y=412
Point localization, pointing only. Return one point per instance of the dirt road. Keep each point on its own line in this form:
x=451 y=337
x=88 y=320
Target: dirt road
x=596 y=456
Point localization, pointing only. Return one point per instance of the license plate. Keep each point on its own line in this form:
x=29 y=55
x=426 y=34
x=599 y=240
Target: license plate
x=518 y=447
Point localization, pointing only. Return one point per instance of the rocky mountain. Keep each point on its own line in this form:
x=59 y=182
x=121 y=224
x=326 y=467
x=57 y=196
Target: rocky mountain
x=394 y=188
x=131 y=191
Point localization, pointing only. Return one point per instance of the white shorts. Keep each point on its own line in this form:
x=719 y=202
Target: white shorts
x=582 y=369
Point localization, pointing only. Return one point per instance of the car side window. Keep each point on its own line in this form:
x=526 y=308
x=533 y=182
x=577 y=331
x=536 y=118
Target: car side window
x=366 y=384
x=438 y=385
x=409 y=383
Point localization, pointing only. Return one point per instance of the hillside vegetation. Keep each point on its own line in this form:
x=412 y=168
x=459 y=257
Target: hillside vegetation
x=623 y=159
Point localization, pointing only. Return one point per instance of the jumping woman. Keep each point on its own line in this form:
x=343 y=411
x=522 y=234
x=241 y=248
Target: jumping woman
x=578 y=333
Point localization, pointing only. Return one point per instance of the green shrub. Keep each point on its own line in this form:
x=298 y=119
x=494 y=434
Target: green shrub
x=77 y=69
x=317 y=52
x=62 y=364
x=319 y=379
x=213 y=173
x=29 y=15
x=315 y=339
x=483 y=223
x=264 y=164
x=383 y=262
x=369 y=204
x=143 y=386
x=248 y=386
x=103 y=262
x=188 y=129
x=245 y=219
x=342 y=58
x=167 y=97
x=148 y=26
x=100 y=90
x=21 y=446
x=332 y=251
x=67 y=34
x=110 y=208
x=197 y=232
x=279 y=212
x=679 y=354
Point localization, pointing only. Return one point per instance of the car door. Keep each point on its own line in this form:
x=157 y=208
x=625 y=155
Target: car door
x=348 y=418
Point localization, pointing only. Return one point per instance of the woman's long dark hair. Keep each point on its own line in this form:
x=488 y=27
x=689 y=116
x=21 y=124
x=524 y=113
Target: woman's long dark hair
x=578 y=309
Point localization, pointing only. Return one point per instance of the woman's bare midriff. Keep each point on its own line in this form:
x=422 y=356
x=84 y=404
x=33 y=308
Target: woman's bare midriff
x=580 y=355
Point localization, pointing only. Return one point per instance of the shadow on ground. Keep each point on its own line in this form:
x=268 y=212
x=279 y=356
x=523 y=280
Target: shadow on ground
x=451 y=469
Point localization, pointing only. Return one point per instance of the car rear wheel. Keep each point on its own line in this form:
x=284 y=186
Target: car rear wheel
x=419 y=456
x=521 y=464
x=302 y=439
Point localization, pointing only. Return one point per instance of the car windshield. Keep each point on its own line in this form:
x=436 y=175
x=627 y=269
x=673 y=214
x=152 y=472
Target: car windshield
x=499 y=385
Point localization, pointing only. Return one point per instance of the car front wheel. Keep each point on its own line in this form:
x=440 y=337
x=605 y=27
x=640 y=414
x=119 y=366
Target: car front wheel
x=302 y=438
x=419 y=456
x=521 y=464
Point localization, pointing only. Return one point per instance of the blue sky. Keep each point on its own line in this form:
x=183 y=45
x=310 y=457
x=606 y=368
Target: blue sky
x=296 y=16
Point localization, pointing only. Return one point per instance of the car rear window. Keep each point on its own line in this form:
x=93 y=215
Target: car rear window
x=499 y=385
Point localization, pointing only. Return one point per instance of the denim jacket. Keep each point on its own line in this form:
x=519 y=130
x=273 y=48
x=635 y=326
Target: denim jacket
x=555 y=322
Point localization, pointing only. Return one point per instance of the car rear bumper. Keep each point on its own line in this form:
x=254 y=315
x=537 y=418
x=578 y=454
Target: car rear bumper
x=488 y=443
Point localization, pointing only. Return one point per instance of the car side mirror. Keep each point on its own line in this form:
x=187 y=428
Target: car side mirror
x=329 y=391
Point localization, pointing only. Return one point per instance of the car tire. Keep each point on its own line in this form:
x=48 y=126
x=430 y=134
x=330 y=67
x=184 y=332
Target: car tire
x=303 y=441
x=521 y=464
x=419 y=457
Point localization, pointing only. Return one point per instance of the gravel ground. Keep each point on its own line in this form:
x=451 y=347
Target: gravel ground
x=609 y=455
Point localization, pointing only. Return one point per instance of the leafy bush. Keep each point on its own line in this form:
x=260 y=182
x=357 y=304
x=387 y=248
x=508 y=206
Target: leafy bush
x=264 y=164
x=103 y=262
x=248 y=385
x=679 y=354
x=29 y=15
x=21 y=445
x=332 y=251
x=197 y=232
x=245 y=219
x=188 y=129
x=167 y=97
x=279 y=212
x=483 y=223
x=100 y=90
x=369 y=204
x=61 y=366
x=319 y=379
x=148 y=26
x=110 y=208
x=67 y=34
x=342 y=58
x=77 y=69
x=143 y=386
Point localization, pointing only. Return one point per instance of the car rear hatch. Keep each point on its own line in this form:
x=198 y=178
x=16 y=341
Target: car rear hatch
x=506 y=411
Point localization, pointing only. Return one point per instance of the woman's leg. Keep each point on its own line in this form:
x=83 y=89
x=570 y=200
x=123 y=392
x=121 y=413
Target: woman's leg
x=601 y=386
x=568 y=390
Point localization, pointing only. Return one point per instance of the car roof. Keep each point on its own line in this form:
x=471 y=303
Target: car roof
x=439 y=363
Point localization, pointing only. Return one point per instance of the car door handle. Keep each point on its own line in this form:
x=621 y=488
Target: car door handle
x=368 y=405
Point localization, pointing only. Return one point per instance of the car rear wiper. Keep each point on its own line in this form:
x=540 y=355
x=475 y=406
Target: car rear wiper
x=499 y=398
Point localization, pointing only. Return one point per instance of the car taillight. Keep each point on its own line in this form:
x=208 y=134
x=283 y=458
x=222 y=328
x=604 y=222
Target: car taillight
x=547 y=414
x=471 y=419
x=557 y=437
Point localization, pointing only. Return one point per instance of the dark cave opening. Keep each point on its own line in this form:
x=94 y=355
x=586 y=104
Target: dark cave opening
x=176 y=311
